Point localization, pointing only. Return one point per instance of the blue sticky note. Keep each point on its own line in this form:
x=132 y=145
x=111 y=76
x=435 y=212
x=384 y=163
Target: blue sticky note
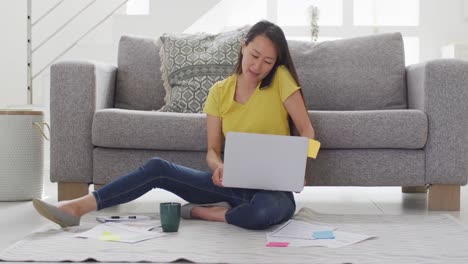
x=323 y=235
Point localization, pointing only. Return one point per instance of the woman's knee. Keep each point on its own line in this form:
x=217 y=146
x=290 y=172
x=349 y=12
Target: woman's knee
x=259 y=219
x=271 y=211
x=156 y=165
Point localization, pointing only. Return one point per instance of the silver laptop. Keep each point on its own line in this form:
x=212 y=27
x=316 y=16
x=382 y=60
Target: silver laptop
x=268 y=162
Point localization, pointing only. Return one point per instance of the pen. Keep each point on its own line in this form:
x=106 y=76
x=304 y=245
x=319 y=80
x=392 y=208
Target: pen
x=119 y=217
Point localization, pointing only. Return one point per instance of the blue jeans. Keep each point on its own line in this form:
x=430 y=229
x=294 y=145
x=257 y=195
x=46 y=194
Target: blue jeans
x=252 y=209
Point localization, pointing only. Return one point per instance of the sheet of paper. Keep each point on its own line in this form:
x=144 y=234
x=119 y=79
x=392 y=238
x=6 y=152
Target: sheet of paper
x=151 y=225
x=294 y=242
x=346 y=238
x=341 y=239
x=117 y=232
x=300 y=230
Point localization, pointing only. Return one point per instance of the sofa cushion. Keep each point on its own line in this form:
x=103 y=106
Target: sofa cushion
x=130 y=129
x=363 y=167
x=363 y=73
x=363 y=129
x=192 y=63
x=109 y=164
x=139 y=85
x=119 y=128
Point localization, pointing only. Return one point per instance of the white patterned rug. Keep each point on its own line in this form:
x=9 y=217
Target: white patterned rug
x=400 y=239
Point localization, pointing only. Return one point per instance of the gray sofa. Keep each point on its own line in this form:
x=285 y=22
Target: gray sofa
x=380 y=123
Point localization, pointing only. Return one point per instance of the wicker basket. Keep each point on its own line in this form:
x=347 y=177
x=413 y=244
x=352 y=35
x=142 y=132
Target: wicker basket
x=21 y=154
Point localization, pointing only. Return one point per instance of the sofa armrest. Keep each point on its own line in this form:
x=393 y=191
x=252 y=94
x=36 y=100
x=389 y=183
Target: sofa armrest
x=77 y=90
x=440 y=89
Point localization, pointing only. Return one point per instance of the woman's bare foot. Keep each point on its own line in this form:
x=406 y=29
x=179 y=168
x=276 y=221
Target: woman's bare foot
x=79 y=206
x=68 y=207
x=210 y=213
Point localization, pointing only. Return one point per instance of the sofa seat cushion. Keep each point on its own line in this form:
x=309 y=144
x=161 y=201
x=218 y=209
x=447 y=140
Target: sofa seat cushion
x=405 y=129
x=133 y=129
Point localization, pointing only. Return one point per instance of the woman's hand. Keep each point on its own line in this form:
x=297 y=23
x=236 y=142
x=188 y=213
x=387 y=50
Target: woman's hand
x=218 y=175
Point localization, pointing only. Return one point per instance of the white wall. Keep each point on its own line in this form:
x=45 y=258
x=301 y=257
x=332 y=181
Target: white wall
x=13 y=52
x=441 y=22
x=101 y=44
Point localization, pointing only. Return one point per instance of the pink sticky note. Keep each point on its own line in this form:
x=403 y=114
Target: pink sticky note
x=277 y=244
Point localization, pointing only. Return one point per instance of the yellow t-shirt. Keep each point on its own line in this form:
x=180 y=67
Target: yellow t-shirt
x=263 y=113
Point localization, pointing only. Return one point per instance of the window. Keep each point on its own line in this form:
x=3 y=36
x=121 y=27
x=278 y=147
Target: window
x=337 y=19
x=386 y=12
x=298 y=14
x=320 y=39
x=244 y=12
x=229 y=14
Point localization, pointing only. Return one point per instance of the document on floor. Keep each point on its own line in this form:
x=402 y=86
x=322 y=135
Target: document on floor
x=301 y=234
x=300 y=230
x=117 y=232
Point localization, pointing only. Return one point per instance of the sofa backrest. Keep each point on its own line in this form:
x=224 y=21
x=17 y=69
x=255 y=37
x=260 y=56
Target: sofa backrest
x=139 y=84
x=363 y=73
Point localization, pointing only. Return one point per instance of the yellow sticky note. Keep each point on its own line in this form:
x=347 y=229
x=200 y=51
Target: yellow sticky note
x=314 y=147
x=108 y=236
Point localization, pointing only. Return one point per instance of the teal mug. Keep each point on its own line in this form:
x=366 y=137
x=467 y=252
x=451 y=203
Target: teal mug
x=170 y=216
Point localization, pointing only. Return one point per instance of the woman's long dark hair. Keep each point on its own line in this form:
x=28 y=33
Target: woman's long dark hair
x=276 y=35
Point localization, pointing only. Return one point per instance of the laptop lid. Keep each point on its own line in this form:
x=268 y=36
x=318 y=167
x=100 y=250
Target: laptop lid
x=267 y=162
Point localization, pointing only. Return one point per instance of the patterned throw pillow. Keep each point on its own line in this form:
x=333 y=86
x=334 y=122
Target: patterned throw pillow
x=192 y=63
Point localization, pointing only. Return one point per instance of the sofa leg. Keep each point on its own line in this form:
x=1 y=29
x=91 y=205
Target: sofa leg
x=71 y=190
x=444 y=197
x=414 y=189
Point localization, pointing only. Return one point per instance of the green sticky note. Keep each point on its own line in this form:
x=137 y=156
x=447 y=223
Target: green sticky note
x=108 y=236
